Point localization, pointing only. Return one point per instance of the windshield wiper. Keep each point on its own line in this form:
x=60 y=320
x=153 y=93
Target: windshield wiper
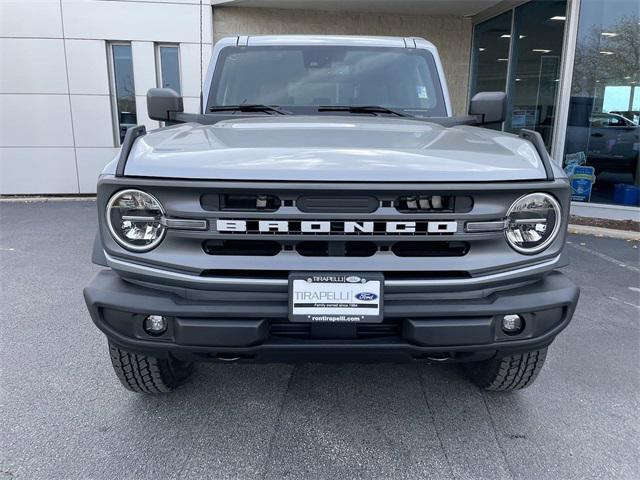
x=374 y=109
x=249 y=107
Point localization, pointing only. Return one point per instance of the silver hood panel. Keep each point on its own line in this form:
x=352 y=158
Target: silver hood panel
x=333 y=148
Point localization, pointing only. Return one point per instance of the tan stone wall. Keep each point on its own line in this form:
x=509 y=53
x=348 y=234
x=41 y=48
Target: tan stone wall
x=452 y=35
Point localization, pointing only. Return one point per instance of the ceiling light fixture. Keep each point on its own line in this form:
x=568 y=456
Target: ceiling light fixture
x=502 y=60
x=609 y=34
x=606 y=52
x=558 y=18
x=541 y=50
x=481 y=49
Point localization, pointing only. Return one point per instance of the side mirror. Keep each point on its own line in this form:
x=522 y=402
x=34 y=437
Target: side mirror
x=492 y=106
x=162 y=101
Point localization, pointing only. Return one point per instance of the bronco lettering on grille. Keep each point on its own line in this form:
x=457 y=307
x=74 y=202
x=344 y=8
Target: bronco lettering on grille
x=336 y=227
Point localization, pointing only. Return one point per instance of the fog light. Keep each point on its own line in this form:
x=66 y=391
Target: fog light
x=512 y=324
x=155 y=324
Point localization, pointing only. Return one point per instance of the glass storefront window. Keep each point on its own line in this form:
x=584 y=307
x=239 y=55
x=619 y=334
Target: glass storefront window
x=490 y=56
x=603 y=137
x=535 y=67
x=524 y=62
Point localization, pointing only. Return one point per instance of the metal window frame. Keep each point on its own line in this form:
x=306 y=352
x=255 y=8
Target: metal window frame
x=563 y=95
x=113 y=94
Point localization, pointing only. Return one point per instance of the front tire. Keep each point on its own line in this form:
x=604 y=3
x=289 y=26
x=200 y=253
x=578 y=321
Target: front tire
x=506 y=374
x=145 y=374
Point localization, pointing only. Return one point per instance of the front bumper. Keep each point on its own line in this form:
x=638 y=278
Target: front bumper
x=431 y=328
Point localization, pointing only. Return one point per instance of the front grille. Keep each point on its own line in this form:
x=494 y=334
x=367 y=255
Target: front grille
x=336 y=249
x=335 y=203
x=240 y=202
x=447 y=251
x=263 y=248
x=430 y=249
x=269 y=248
x=421 y=203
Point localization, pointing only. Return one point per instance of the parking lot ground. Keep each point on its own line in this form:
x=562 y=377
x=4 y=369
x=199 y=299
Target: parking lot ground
x=64 y=415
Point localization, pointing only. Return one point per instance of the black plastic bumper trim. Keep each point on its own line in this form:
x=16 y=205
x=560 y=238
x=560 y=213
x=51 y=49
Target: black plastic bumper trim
x=206 y=329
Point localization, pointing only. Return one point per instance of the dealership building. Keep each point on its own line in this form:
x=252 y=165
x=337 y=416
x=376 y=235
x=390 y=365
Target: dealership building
x=74 y=75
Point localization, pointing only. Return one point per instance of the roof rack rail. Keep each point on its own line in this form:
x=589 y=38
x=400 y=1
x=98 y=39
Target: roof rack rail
x=129 y=139
x=535 y=138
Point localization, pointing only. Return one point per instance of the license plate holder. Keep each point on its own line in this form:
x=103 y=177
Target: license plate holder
x=336 y=297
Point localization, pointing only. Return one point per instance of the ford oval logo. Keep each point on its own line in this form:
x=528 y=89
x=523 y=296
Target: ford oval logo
x=366 y=296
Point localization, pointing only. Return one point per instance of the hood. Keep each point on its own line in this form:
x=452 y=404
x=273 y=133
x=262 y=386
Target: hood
x=333 y=148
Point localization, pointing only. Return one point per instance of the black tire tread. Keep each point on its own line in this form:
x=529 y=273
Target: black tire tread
x=142 y=373
x=508 y=373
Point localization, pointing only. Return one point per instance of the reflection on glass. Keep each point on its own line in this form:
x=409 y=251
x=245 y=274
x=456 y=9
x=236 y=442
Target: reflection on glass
x=316 y=75
x=535 y=67
x=124 y=88
x=169 y=67
x=603 y=136
x=491 y=55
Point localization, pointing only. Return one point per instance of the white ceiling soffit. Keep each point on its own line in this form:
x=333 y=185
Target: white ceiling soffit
x=465 y=8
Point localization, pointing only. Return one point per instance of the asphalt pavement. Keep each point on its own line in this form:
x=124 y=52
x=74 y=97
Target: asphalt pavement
x=64 y=415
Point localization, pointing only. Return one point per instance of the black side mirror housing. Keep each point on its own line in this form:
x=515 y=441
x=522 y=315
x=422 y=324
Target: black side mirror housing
x=161 y=102
x=491 y=106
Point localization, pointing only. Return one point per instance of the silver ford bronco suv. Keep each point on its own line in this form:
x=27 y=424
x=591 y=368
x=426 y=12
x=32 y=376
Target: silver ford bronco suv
x=325 y=205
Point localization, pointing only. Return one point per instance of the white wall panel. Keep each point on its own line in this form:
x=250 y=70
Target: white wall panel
x=55 y=90
x=91 y=161
x=144 y=66
x=32 y=65
x=35 y=121
x=142 y=115
x=131 y=21
x=190 y=69
x=30 y=18
x=191 y=104
x=207 y=49
x=87 y=66
x=206 y=16
x=37 y=170
x=92 y=121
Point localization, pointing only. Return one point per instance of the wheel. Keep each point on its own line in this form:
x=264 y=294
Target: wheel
x=144 y=374
x=507 y=373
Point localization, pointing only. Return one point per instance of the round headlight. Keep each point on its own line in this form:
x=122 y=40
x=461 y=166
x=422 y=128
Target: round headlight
x=534 y=222
x=134 y=219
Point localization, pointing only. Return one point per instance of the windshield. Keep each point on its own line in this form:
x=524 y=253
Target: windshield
x=311 y=76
